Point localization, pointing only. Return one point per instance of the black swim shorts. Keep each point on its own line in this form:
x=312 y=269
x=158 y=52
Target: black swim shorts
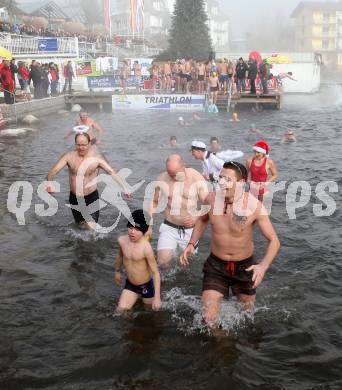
x=88 y=199
x=219 y=275
x=146 y=290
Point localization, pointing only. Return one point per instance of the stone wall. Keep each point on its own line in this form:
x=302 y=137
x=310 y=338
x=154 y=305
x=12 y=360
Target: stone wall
x=36 y=107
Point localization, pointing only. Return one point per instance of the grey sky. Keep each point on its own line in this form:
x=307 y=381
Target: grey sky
x=244 y=13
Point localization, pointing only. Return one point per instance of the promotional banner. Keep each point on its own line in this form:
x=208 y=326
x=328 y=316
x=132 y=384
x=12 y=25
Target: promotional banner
x=98 y=67
x=47 y=44
x=84 y=68
x=159 y=102
x=112 y=82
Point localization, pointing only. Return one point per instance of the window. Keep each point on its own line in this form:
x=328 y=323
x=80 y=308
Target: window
x=155 y=22
x=157 y=5
x=325 y=44
x=214 y=11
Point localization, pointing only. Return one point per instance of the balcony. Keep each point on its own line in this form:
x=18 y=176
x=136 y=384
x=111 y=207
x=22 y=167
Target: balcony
x=21 y=45
x=325 y=35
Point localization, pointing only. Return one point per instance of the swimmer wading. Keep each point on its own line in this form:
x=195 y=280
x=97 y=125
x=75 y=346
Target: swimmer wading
x=168 y=99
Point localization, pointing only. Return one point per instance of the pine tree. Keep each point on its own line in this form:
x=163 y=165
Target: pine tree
x=189 y=33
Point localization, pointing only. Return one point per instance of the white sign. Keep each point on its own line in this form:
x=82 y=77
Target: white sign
x=159 y=102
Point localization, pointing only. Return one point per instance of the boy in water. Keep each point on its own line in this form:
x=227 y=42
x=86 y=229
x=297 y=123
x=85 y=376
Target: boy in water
x=136 y=255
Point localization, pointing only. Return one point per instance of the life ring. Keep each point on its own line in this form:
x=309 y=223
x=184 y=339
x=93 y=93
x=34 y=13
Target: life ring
x=80 y=129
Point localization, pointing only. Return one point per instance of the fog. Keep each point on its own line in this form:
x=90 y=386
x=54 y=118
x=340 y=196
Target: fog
x=264 y=25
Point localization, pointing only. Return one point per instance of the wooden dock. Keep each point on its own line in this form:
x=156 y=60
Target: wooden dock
x=82 y=98
x=258 y=101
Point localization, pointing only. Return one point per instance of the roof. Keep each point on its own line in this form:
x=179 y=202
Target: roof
x=54 y=9
x=322 y=6
x=48 y=9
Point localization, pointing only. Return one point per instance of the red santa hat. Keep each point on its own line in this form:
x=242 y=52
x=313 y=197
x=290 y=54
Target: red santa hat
x=262 y=147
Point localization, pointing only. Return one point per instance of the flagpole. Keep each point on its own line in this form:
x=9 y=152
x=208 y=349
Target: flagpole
x=110 y=18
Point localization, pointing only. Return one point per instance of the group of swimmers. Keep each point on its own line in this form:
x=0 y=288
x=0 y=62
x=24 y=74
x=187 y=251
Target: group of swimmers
x=232 y=205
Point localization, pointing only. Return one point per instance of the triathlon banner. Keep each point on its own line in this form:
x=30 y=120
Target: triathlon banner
x=159 y=102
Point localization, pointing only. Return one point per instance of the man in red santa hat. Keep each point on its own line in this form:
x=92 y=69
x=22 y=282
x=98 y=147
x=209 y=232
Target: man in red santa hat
x=261 y=170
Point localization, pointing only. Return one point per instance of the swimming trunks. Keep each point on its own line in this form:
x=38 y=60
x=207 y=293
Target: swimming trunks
x=200 y=77
x=223 y=78
x=219 y=275
x=171 y=236
x=88 y=199
x=146 y=290
x=213 y=89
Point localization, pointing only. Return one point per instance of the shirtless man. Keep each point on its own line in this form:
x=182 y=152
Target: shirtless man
x=176 y=75
x=231 y=264
x=188 y=68
x=154 y=76
x=223 y=75
x=182 y=187
x=167 y=77
x=201 y=77
x=289 y=137
x=95 y=130
x=214 y=86
x=124 y=73
x=230 y=70
x=137 y=75
x=85 y=124
x=182 y=76
x=73 y=160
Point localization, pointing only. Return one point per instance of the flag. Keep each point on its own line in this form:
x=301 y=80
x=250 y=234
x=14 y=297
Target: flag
x=133 y=16
x=140 y=16
x=106 y=14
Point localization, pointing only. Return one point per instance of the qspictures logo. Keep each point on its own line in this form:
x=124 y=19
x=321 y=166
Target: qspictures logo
x=297 y=195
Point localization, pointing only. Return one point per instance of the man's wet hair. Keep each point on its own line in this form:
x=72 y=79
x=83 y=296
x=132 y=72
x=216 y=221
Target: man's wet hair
x=289 y=73
x=213 y=139
x=173 y=138
x=238 y=168
x=84 y=134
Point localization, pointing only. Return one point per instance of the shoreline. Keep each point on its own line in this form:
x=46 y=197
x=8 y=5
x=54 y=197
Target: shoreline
x=14 y=113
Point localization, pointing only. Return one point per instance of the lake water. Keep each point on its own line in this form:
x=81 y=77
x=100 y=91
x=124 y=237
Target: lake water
x=58 y=294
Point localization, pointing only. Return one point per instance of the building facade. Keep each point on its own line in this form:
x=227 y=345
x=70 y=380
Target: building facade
x=318 y=28
x=151 y=18
x=218 y=24
x=157 y=20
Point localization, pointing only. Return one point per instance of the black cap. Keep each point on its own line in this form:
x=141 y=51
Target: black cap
x=138 y=221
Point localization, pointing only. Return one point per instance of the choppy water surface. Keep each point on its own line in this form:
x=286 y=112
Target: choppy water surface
x=57 y=292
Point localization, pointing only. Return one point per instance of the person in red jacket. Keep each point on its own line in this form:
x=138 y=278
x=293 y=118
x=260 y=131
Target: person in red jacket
x=54 y=77
x=23 y=76
x=7 y=82
x=68 y=75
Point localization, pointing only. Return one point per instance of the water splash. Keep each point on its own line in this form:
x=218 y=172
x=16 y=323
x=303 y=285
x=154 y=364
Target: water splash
x=186 y=311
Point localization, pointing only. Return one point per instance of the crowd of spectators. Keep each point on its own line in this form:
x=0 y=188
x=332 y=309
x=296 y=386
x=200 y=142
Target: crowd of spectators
x=27 y=29
x=91 y=37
